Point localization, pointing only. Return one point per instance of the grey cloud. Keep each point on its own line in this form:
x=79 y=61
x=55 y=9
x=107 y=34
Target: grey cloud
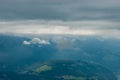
x=60 y=10
x=94 y=17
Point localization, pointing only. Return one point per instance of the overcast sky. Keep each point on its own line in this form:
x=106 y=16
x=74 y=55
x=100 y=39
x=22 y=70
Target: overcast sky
x=75 y=17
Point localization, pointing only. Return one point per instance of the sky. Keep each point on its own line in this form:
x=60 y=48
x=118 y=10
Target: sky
x=72 y=17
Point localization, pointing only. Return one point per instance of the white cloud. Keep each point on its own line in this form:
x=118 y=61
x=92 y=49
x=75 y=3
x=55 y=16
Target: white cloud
x=97 y=28
x=36 y=41
x=26 y=42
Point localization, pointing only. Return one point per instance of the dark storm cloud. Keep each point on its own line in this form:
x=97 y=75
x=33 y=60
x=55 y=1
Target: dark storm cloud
x=60 y=10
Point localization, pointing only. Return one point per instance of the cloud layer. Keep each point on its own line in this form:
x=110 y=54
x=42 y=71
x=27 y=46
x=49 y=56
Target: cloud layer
x=60 y=10
x=69 y=17
x=89 y=28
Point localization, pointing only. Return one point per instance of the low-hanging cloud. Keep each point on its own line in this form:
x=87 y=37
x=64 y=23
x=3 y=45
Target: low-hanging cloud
x=36 y=41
